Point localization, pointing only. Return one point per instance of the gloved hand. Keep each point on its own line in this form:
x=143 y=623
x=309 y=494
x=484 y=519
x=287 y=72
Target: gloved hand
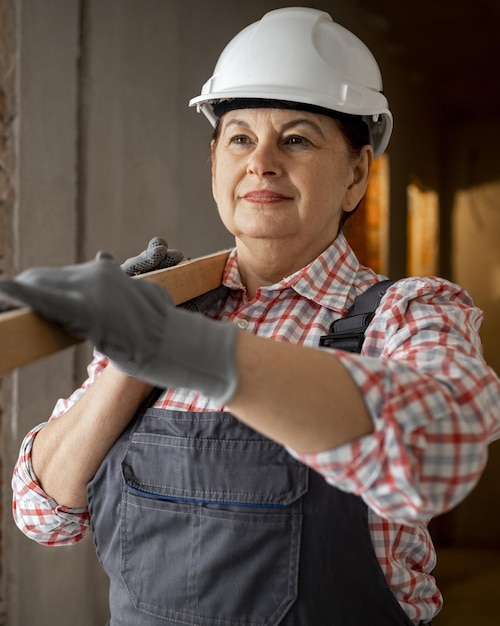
x=157 y=256
x=134 y=323
x=8 y=303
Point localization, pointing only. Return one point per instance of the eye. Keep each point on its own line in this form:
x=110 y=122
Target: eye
x=240 y=140
x=297 y=140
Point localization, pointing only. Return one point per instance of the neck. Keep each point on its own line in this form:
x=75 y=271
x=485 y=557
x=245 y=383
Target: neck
x=265 y=264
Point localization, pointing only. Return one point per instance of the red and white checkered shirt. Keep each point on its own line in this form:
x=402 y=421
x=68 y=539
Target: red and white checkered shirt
x=433 y=400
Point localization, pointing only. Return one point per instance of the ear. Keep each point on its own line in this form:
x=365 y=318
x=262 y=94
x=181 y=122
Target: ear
x=361 y=172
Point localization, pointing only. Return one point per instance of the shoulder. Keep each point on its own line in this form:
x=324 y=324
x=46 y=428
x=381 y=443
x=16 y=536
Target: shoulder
x=428 y=289
x=430 y=297
x=428 y=307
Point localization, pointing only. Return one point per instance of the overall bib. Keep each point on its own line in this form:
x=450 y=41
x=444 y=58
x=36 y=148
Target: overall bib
x=200 y=521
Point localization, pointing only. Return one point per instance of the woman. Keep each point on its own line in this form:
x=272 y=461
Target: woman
x=267 y=481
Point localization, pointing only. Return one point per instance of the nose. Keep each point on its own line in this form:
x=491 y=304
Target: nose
x=264 y=160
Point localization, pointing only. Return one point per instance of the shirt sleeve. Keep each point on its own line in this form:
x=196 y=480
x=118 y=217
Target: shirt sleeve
x=433 y=401
x=35 y=513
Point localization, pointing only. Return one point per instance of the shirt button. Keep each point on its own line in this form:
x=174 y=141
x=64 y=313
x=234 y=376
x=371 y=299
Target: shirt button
x=242 y=324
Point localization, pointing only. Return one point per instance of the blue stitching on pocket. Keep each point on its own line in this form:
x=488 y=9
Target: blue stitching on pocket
x=157 y=496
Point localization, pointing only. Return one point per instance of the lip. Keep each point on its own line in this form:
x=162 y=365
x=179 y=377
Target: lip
x=265 y=196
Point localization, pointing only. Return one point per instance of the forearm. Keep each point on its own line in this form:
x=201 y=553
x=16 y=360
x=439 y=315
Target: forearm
x=68 y=450
x=300 y=397
x=429 y=445
x=374 y=423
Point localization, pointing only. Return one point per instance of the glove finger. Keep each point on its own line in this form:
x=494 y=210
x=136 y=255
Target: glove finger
x=54 y=305
x=173 y=257
x=144 y=262
x=104 y=256
x=157 y=241
x=157 y=256
x=205 y=301
x=7 y=301
x=156 y=261
x=61 y=279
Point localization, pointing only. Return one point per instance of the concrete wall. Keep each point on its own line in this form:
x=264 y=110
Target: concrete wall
x=105 y=154
x=40 y=582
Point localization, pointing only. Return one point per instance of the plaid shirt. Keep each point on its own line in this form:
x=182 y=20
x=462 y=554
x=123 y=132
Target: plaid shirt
x=432 y=398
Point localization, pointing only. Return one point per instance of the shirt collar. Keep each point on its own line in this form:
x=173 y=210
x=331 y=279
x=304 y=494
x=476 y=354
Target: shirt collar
x=328 y=280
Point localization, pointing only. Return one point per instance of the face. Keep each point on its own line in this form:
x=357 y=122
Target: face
x=282 y=179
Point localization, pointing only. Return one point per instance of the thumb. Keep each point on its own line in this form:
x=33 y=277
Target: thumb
x=104 y=256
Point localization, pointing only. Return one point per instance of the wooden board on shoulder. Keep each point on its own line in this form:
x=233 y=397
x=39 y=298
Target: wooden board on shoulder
x=25 y=337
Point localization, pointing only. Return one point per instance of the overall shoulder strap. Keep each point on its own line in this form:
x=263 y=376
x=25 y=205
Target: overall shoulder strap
x=348 y=333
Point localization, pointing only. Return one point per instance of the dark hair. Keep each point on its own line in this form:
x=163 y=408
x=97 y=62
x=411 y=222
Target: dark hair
x=357 y=134
x=354 y=128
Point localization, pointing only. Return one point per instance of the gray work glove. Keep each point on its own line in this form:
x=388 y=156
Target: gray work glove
x=159 y=256
x=8 y=303
x=134 y=323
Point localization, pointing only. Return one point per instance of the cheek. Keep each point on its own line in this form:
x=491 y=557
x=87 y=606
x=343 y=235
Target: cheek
x=324 y=189
x=220 y=195
x=325 y=202
x=214 y=188
x=214 y=176
x=335 y=186
x=220 y=179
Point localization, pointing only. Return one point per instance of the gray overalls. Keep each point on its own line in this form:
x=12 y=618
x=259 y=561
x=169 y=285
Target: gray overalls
x=199 y=520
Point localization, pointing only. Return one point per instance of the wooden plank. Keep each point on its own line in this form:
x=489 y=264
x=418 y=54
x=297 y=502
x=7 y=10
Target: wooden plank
x=192 y=278
x=25 y=337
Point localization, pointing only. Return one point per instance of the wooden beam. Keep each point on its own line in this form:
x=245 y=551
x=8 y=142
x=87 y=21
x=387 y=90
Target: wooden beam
x=25 y=337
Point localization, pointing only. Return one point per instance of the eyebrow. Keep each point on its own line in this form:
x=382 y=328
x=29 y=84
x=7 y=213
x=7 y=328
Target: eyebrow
x=296 y=122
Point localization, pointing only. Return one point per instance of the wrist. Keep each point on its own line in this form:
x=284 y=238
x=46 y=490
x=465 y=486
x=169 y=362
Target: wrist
x=197 y=353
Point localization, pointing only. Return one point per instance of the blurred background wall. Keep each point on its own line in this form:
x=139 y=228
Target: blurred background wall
x=98 y=150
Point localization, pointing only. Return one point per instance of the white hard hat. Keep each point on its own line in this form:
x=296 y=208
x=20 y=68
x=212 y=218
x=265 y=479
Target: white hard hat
x=300 y=55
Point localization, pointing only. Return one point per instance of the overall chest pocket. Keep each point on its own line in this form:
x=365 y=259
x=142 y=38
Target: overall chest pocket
x=210 y=521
